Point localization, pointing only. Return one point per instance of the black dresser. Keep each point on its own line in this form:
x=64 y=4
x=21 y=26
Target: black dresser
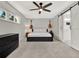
x=8 y=43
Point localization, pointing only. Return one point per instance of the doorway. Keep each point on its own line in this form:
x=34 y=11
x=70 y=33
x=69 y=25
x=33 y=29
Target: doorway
x=67 y=27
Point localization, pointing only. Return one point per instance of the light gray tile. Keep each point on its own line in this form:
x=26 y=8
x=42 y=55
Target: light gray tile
x=54 y=49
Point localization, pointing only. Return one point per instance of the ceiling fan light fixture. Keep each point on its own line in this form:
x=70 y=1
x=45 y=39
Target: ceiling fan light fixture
x=40 y=3
x=40 y=10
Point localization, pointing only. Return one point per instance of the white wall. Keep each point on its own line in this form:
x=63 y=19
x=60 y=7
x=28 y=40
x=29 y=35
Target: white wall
x=56 y=27
x=40 y=24
x=66 y=31
x=6 y=6
x=75 y=27
x=61 y=28
x=9 y=27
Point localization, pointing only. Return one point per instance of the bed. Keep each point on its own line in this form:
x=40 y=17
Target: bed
x=39 y=36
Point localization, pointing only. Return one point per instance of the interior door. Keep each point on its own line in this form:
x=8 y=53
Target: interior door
x=66 y=27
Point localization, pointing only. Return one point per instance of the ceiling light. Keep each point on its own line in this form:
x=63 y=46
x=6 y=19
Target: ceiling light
x=40 y=9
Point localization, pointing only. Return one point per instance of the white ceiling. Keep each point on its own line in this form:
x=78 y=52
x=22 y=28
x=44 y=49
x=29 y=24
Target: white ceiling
x=24 y=6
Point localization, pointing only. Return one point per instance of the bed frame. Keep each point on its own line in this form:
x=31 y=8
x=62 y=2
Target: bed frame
x=39 y=39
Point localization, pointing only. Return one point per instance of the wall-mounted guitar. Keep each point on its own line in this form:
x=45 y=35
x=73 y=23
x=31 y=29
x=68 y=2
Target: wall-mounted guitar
x=41 y=8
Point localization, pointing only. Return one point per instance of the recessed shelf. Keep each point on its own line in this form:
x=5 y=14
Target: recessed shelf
x=8 y=16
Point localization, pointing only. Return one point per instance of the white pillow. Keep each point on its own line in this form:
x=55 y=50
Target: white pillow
x=39 y=30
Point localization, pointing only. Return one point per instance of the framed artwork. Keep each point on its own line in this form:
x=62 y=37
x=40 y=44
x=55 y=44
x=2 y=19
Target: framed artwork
x=11 y=16
x=17 y=19
x=2 y=14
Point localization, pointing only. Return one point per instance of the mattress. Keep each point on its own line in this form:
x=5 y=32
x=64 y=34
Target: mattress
x=39 y=34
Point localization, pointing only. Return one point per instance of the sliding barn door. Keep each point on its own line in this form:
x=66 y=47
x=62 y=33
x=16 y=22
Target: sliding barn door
x=75 y=27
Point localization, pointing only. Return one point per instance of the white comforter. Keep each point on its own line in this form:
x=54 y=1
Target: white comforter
x=39 y=34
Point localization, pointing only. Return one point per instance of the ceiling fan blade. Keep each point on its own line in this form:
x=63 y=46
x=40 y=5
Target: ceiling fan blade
x=47 y=10
x=47 y=5
x=36 y=4
x=33 y=9
x=39 y=12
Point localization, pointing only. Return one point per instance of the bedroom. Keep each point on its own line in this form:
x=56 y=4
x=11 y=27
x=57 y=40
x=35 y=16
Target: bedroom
x=54 y=30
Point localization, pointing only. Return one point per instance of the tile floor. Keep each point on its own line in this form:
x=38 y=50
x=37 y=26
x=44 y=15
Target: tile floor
x=55 y=49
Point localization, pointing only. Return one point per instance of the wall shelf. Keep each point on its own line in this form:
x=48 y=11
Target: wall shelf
x=8 y=16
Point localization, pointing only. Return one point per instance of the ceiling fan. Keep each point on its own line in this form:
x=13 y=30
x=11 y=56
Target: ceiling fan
x=41 y=8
